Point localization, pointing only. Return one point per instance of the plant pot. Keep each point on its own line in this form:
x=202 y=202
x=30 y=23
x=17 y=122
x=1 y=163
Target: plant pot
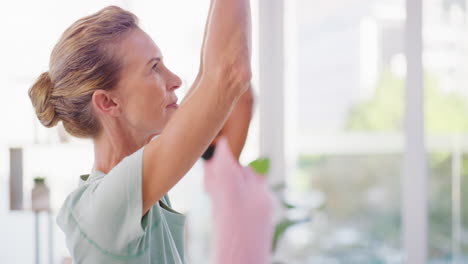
x=40 y=197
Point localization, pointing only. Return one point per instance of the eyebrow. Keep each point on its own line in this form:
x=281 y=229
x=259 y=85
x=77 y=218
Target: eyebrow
x=158 y=59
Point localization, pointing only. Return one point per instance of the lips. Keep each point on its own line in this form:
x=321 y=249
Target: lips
x=173 y=103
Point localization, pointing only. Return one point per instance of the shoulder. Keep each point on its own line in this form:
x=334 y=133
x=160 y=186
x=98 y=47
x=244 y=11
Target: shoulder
x=73 y=201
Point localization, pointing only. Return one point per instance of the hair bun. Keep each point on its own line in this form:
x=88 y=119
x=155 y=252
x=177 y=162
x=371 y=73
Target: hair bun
x=40 y=94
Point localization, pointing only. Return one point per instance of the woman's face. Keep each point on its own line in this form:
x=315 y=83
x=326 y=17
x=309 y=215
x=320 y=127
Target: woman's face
x=146 y=86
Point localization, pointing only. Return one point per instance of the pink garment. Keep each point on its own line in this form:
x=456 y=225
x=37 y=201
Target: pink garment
x=242 y=206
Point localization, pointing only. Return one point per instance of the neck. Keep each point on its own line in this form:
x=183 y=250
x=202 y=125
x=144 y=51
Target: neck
x=113 y=145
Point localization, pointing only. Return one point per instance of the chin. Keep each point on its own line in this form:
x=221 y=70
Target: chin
x=169 y=114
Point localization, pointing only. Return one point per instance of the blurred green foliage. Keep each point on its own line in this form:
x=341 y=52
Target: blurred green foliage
x=445 y=112
x=362 y=191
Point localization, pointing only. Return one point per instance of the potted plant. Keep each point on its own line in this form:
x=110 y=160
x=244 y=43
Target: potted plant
x=40 y=195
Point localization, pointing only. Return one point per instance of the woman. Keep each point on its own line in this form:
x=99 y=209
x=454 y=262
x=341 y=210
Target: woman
x=107 y=81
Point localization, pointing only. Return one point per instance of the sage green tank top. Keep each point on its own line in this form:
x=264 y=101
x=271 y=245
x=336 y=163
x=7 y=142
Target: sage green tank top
x=102 y=220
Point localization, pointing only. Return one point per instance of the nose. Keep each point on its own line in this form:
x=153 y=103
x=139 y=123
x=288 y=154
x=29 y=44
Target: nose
x=175 y=82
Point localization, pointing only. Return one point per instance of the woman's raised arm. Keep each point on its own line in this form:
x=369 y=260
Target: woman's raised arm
x=224 y=76
x=236 y=127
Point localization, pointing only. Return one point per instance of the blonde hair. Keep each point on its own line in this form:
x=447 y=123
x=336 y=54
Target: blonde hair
x=81 y=62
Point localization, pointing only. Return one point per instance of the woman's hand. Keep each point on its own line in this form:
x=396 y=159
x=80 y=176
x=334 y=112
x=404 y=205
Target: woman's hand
x=227 y=44
x=224 y=76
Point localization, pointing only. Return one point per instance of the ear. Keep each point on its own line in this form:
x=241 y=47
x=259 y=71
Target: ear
x=105 y=102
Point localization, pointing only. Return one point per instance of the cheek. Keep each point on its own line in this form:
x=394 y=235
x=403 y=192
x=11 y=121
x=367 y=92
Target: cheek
x=146 y=106
x=158 y=99
x=155 y=102
x=151 y=93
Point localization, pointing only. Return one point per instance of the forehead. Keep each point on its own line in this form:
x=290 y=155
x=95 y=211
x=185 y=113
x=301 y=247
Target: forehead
x=137 y=48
